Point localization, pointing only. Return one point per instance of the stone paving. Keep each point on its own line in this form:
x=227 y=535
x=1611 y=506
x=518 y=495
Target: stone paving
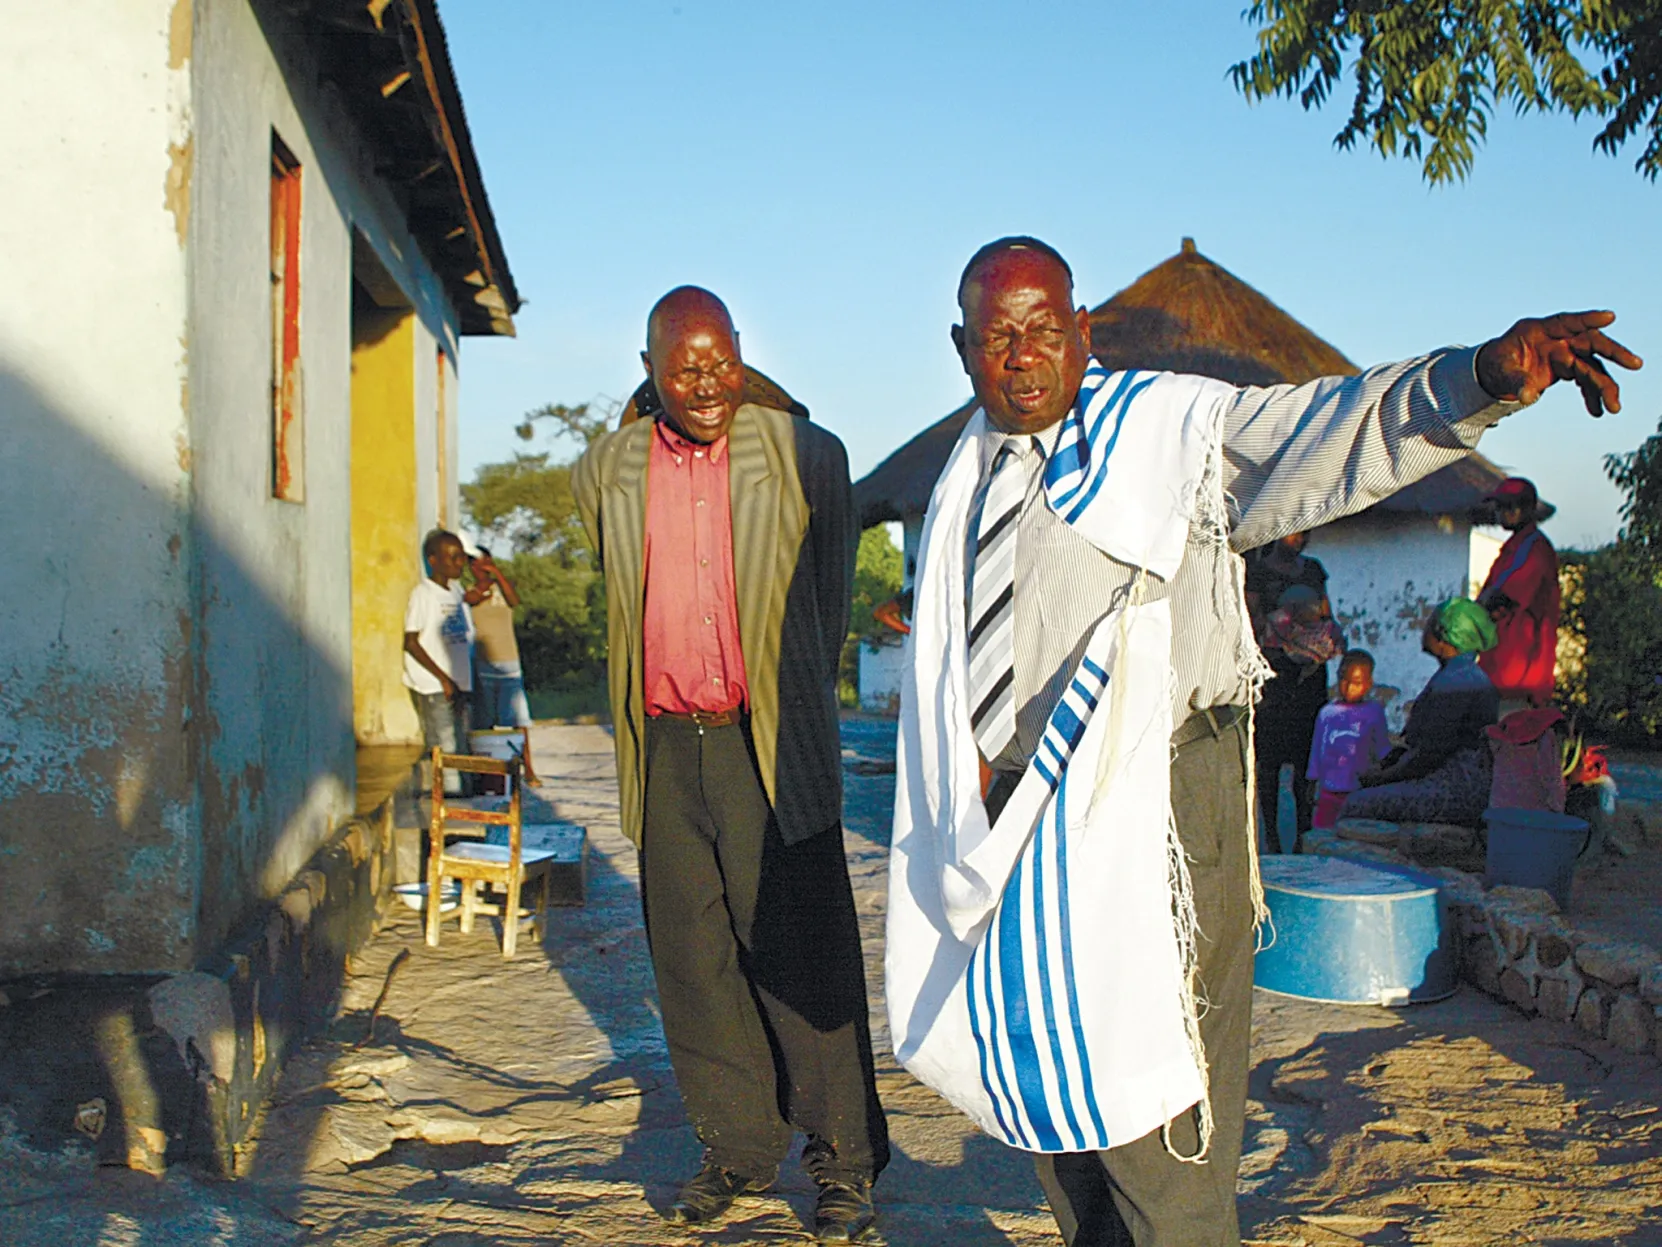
x=531 y=1102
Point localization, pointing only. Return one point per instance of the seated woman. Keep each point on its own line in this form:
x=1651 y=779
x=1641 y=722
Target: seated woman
x=1442 y=772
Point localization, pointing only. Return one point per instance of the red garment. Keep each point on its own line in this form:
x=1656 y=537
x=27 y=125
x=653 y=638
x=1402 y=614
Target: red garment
x=690 y=629
x=1526 y=573
x=1329 y=808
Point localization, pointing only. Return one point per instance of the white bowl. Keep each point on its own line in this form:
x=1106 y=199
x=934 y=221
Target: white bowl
x=415 y=896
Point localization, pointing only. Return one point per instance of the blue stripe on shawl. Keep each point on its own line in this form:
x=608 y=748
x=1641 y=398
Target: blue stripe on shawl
x=1044 y=988
x=1098 y=672
x=1073 y=449
x=1078 y=507
x=1064 y=921
x=981 y=1046
x=1018 y=1025
x=994 y=1020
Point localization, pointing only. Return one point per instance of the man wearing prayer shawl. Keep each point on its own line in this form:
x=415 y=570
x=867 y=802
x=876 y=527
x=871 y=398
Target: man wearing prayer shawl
x=1069 y=955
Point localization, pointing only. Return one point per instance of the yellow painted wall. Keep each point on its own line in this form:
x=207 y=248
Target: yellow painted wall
x=386 y=554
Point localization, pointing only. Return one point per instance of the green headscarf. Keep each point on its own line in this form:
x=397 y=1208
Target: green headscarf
x=1466 y=626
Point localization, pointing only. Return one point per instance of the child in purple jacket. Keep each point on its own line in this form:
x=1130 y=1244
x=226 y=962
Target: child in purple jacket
x=1350 y=738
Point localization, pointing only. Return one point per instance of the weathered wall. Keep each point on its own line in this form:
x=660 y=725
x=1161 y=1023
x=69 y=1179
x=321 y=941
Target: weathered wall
x=1385 y=573
x=176 y=651
x=98 y=817
x=274 y=614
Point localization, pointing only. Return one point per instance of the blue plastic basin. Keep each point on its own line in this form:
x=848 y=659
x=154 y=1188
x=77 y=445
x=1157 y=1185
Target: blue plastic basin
x=1349 y=933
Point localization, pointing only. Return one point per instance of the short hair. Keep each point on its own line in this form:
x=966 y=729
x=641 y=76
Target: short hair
x=1354 y=657
x=1013 y=242
x=431 y=543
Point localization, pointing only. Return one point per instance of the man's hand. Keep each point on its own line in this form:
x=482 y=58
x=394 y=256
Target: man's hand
x=447 y=685
x=1519 y=365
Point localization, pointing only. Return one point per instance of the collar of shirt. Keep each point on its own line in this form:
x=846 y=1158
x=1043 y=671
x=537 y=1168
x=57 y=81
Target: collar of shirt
x=1044 y=441
x=684 y=447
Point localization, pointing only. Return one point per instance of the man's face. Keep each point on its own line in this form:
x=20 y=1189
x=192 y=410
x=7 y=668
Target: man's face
x=1511 y=515
x=693 y=359
x=1294 y=543
x=448 y=561
x=1023 y=344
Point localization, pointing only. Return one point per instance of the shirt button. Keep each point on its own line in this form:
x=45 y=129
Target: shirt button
x=698 y=454
x=715 y=679
x=701 y=502
x=706 y=619
x=703 y=562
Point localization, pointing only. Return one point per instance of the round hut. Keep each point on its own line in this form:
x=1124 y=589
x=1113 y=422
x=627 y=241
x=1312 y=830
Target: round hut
x=1387 y=565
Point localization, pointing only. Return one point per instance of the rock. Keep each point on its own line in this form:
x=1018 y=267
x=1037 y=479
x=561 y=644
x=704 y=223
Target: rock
x=1553 y=949
x=1370 y=831
x=1525 y=900
x=1457 y=885
x=1632 y=1024
x=296 y=904
x=1650 y=984
x=1516 y=988
x=1615 y=963
x=1557 y=999
x=1591 y=1013
x=1514 y=928
x=1482 y=964
x=1437 y=842
x=195 y=1010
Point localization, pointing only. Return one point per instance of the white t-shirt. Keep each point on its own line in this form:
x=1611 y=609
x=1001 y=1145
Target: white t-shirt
x=443 y=624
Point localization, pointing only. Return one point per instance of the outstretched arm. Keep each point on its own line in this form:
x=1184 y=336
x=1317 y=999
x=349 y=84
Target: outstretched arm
x=1296 y=457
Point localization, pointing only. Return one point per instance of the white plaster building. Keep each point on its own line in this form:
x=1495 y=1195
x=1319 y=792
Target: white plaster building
x=243 y=240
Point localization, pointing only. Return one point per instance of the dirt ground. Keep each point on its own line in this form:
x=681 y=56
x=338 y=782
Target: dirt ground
x=531 y=1102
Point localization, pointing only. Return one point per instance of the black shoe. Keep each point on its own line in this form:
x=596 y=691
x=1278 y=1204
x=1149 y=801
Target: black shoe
x=710 y=1193
x=844 y=1211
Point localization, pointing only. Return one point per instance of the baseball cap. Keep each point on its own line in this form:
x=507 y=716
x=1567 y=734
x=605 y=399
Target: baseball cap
x=1514 y=491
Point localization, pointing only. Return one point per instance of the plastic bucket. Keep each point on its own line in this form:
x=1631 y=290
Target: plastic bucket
x=501 y=743
x=1534 y=849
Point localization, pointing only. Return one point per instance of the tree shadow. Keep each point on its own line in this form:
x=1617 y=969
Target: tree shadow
x=176 y=744
x=1414 y=1121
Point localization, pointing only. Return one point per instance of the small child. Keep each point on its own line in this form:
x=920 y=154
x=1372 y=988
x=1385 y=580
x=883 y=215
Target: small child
x=438 y=648
x=1350 y=737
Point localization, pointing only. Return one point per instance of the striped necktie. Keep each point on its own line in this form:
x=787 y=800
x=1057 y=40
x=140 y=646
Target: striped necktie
x=992 y=608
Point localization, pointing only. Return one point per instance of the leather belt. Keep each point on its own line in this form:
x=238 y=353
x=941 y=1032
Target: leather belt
x=1213 y=721
x=705 y=718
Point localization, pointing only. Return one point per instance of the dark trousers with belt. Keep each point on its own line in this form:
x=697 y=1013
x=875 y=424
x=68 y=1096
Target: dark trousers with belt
x=1139 y=1193
x=756 y=949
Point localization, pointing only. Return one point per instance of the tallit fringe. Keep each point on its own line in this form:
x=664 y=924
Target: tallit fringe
x=1212 y=523
x=1212 y=519
x=1194 y=1000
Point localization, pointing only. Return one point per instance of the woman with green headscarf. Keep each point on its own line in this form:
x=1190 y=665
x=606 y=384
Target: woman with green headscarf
x=1442 y=772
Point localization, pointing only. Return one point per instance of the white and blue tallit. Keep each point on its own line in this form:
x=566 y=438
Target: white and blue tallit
x=1039 y=971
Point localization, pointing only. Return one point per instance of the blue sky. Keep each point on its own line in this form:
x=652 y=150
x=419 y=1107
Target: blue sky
x=827 y=170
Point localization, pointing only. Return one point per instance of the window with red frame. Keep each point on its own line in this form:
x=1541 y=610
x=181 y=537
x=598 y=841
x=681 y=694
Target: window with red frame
x=288 y=459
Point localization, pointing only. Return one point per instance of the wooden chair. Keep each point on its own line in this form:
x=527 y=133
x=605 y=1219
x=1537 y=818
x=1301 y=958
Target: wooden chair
x=471 y=861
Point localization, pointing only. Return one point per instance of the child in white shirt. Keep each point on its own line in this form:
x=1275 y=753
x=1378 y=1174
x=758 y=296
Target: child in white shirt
x=438 y=648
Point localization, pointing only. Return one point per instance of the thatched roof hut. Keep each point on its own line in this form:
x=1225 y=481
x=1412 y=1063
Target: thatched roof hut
x=1187 y=314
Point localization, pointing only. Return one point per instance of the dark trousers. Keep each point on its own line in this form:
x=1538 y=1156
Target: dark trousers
x=1284 y=730
x=756 y=949
x=1138 y=1193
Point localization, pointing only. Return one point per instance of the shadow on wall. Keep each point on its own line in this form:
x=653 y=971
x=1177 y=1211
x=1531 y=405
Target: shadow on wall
x=174 y=746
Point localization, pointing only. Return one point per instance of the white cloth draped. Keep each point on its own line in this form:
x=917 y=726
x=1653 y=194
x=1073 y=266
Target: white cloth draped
x=1037 y=970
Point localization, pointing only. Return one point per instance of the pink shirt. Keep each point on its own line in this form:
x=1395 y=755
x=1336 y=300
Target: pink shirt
x=690 y=629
